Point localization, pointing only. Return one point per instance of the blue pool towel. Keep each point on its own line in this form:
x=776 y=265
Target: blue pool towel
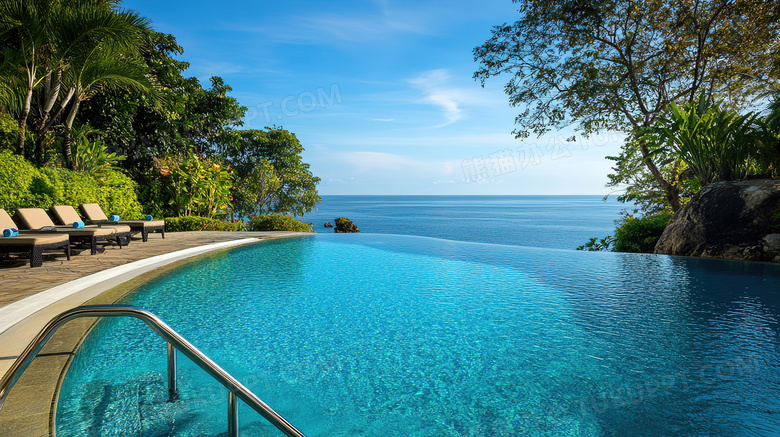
x=148 y=217
x=114 y=218
x=78 y=225
x=10 y=232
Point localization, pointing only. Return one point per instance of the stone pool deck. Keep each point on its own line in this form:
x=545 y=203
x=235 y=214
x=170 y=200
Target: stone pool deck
x=30 y=297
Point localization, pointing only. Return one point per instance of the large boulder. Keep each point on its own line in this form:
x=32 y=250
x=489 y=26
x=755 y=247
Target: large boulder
x=344 y=225
x=739 y=220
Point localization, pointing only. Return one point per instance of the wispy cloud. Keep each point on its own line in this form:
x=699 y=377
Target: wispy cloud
x=433 y=85
x=378 y=20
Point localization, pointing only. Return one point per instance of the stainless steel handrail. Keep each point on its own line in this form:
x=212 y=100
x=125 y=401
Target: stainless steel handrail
x=235 y=388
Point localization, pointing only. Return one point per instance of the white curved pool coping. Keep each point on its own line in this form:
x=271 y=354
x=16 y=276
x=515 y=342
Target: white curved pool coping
x=21 y=321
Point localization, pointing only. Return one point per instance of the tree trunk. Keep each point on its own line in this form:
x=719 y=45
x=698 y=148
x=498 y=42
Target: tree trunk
x=671 y=188
x=66 y=150
x=51 y=92
x=23 y=119
x=67 y=140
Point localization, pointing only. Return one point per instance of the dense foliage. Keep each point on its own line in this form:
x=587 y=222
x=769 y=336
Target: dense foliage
x=717 y=144
x=269 y=167
x=633 y=234
x=58 y=54
x=22 y=185
x=639 y=235
x=277 y=222
x=619 y=64
x=195 y=223
x=96 y=100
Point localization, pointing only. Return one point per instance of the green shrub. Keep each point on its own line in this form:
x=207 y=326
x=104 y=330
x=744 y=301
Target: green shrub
x=598 y=245
x=118 y=196
x=639 y=235
x=195 y=223
x=73 y=188
x=199 y=186
x=115 y=192
x=22 y=185
x=9 y=132
x=277 y=222
x=717 y=144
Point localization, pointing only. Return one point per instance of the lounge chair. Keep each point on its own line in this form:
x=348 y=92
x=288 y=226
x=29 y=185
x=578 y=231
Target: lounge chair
x=33 y=242
x=36 y=219
x=95 y=214
x=67 y=215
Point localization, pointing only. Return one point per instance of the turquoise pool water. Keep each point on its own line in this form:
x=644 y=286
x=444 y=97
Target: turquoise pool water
x=381 y=335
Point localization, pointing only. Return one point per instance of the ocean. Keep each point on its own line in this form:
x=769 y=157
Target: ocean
x=557 y=222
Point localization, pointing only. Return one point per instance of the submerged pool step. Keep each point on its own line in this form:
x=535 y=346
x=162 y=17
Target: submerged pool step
x=139 y=407
x=98 y=406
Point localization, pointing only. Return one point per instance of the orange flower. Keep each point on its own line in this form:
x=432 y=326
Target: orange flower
x=164 y=171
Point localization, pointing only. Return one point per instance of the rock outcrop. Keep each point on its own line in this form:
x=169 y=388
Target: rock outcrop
x=738 y=220
x=344 y=225
x=328 y=224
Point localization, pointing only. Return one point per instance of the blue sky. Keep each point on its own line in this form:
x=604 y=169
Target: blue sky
x=380 y=93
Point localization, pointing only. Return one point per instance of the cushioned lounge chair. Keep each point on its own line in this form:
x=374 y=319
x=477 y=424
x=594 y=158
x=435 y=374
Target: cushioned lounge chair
x=36 y=219
x=95 y=214
x=33 y=242
x=66 y=215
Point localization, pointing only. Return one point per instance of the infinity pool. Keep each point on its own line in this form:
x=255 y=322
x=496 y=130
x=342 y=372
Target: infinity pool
x=381 y=335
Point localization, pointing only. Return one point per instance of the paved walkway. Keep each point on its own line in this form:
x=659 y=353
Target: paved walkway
x=18 y=280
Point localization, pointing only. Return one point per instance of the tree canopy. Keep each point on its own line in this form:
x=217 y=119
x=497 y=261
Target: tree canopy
x=97 y=90
x=189 y=115
x=65 y=52
x=273 y=156
x=618 y=64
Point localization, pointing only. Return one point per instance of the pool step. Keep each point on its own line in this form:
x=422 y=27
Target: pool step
x=139 y=407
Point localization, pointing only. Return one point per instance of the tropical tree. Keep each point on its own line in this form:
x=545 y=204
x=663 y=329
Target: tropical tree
x=769 y=147
x=297 y=186
x=256 y=188
x=717 y=144
x=24 y=33
x=67 y=50
x=188 y=115
x=100 y=67
x=618 y=64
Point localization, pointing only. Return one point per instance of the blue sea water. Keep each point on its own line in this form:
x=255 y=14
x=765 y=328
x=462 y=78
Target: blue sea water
x=387 y=335
x=560 y=222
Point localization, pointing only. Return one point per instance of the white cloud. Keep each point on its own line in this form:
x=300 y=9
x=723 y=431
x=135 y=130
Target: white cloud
x=433 y=85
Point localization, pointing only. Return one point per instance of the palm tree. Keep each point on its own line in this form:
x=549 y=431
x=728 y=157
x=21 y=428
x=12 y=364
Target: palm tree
x=102 y=53
x=103 y=67
x=75 y=46
x=24 y=26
